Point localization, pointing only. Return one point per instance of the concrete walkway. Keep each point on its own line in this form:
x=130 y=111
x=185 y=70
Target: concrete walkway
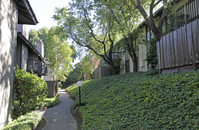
x=60 y=117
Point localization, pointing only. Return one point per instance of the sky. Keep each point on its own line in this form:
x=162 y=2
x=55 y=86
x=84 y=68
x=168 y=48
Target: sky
x=44 y=10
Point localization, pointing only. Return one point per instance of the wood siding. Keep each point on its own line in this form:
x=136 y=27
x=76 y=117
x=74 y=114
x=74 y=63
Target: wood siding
x=180 y=47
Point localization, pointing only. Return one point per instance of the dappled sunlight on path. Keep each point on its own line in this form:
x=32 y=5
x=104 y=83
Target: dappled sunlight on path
x=60 y=117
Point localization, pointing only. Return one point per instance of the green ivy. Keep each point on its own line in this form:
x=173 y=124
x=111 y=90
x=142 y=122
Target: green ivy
x=140 y=101
x=30 y=91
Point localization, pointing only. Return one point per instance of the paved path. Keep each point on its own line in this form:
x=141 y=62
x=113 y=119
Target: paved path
x=60 y=117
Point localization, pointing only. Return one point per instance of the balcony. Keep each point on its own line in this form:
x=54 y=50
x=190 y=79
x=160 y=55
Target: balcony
x=35 y=66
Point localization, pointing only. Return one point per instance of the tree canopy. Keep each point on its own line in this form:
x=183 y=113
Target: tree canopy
x=87 y=29
x=59 y=55
x=36 y=35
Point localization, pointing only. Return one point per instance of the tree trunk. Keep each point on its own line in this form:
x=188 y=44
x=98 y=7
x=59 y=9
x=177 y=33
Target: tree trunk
x=114 y=69
x=134 y=60
x=157 y=33
x=132 y=53
x=158 y=36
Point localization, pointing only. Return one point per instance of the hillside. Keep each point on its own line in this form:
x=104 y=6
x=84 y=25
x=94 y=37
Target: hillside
x=138 y=101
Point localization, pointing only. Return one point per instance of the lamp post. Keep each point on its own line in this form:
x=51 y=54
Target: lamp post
x=79 y=84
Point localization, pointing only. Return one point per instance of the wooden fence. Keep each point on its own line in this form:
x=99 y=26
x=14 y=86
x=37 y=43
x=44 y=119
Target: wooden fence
x=101 y=72
x=179 y=48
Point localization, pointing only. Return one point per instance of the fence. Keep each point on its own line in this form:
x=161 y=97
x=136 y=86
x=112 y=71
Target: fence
x=179 y=48
x=101 y=72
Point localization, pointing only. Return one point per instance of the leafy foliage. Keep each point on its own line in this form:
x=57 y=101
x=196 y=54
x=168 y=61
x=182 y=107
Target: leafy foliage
x=86 y=65
x=36 y=35
x=74 y=76
x=59 y=55
x=139 y=101
x=82 y=23
x=49 y=102
x=28 y=121
x=30 y=90
x=151 y=57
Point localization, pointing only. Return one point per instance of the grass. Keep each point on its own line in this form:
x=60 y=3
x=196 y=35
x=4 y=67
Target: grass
x=28 y=121
x=140 y=101
x=49 y=102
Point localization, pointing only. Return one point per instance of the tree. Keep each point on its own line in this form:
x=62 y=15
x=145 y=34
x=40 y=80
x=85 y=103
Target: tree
x=86 y=65
x=33 y=37
x=74 y=75
x=77 y=23
x=75 y=53
x=127 y=17
x=59 y=55
x=36 y=35
x=149 y=17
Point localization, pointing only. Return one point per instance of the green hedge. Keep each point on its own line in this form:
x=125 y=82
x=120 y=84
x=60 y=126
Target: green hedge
x=28 y=121
x=30 y=90
x=140 y=101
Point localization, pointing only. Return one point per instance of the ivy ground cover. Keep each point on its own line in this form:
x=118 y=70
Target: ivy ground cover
x=139 y=101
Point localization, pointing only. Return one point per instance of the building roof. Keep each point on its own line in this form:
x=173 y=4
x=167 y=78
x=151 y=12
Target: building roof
x=30 y=46
x=25 y=13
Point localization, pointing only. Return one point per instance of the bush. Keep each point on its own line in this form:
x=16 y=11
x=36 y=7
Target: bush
x=30 y=90
x=152 y=58
x=24 y=122
x=140 y=101
x=152 y=72
x=49 y=102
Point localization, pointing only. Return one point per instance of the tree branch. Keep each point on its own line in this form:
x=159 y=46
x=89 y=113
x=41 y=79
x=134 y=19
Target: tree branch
x=163 y=16
x=157 y=3
x=111 y=45
x=92 y=33
x=134 y=3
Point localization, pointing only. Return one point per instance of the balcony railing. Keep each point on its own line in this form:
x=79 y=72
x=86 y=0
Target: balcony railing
x=189 y=11
x=35 y=66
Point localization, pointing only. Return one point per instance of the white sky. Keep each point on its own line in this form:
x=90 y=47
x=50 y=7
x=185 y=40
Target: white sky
x=44 y=10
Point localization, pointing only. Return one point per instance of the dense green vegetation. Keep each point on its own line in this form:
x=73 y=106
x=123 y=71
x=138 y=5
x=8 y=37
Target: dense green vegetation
x=24 y=122
x=31 y=119
x=140 y=101
x=47 y=103
x=30 y=91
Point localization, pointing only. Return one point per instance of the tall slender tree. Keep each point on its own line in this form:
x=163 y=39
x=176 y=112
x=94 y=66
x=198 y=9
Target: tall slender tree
x=59 y=55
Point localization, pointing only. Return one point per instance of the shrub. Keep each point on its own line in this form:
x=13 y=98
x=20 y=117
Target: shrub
x=152 y=58
x=28 y=121
x=140 y=101
x=30 y=90
x=49 y=102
